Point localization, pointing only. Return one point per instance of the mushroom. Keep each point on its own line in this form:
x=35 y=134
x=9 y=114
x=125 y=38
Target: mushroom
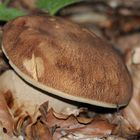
x=66 y=61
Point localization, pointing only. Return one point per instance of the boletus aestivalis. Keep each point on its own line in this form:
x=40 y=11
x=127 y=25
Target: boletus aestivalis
x=66 y=60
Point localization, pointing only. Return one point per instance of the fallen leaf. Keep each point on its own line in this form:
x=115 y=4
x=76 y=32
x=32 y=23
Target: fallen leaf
x=5 y=117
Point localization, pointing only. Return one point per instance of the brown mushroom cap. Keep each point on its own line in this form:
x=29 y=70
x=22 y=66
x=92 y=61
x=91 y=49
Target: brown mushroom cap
x=67 y=60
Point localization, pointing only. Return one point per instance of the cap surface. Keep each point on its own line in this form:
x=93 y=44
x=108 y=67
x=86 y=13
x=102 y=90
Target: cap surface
x=67 y=60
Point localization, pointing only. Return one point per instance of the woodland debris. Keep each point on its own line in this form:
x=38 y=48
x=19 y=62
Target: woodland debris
x=123 y=38
x=6 y=117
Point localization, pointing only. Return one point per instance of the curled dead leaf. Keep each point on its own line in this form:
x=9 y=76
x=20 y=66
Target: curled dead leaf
x=20 y=125
x=39 y=131
x=44 y=109
x=63 y=126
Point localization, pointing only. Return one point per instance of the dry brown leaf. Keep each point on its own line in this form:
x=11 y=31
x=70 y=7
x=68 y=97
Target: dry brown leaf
x=97 y=128
x=84 y=120
x=63 y=125
x=60 y=116
x=5 y=116
x=9 y=99
x=39 y=131
x=21 y=124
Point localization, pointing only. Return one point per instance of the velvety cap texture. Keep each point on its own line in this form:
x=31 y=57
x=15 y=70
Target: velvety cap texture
x=67 y=60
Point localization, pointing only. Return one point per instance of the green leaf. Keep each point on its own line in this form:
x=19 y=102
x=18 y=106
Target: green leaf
x=54 y=5
x=7 y=13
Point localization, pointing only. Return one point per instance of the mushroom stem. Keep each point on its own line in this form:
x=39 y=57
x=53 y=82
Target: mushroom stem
x=29 y=96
